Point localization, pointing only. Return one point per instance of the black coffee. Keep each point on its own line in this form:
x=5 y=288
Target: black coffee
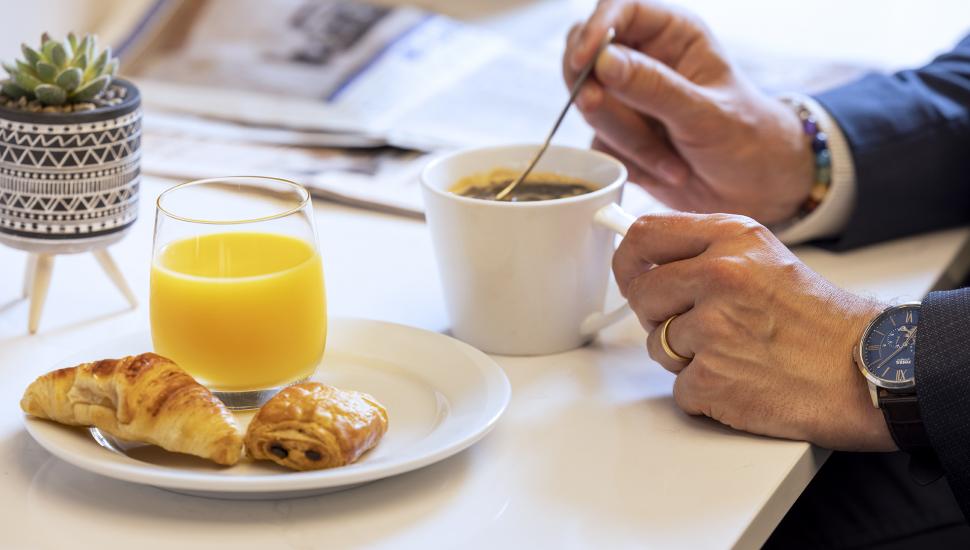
x=538 y=187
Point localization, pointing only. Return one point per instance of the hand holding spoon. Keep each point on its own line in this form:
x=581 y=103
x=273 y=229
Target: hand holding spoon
x=610 y=34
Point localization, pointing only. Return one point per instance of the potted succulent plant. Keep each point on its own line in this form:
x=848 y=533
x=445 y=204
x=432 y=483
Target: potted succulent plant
x=69 y=156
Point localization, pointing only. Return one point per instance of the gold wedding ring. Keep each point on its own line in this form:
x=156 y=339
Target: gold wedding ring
x=666 y=345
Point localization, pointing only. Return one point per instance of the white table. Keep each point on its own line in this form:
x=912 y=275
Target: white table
x=591 y=453
x=592 y=450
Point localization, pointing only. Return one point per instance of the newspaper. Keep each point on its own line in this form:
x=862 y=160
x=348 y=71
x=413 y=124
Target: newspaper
x=329 y=92
x=400 y=76
x=382 y=180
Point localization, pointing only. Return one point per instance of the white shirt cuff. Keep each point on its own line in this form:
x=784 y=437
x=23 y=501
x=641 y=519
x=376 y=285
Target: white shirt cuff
x=832 y=214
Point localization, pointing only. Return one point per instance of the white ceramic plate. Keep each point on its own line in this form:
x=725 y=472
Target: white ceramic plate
x=441 y=395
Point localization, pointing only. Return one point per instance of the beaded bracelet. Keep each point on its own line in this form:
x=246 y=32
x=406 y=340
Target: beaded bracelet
x=823 y=158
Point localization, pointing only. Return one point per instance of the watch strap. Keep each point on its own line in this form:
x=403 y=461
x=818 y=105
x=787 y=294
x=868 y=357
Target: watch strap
x=904 y=420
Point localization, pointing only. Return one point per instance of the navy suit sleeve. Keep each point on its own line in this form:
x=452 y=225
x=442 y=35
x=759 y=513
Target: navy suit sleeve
x=909 y=134
x=943 y=384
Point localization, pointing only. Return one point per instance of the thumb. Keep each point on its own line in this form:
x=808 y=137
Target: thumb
x=649 y=86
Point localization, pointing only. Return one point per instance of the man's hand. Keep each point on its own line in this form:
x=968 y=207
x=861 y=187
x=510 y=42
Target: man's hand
x=689 y=128
x=770 y=340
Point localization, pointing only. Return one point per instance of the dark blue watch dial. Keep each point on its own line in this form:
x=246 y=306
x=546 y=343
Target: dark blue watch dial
x=889 y=349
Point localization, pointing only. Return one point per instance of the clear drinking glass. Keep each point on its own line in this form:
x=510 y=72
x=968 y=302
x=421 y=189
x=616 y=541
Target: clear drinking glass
x=237 y=291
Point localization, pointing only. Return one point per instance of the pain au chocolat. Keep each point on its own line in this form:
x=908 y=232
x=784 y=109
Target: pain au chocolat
x=312 y=426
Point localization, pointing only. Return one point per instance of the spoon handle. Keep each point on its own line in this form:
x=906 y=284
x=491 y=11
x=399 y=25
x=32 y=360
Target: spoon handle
x=583 y=75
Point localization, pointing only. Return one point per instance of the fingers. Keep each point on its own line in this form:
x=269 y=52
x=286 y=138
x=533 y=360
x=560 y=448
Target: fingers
x=656 y=296
x=663 y=238
x=623 y=130
x=632 y=136
x=606 y=15
x=646 y=85
x=679 y=338
x=591 y=94
x=634 y=22
x=688 y=392
x=674 y=196
x=637 y=68
x=636 y=173
x=590 y=99
x=664 y=290
x=568 y=73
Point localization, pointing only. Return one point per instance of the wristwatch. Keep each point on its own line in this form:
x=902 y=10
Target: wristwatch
x=886 y=355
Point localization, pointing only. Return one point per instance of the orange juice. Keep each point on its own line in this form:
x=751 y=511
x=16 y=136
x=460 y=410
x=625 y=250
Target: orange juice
x=240 y=311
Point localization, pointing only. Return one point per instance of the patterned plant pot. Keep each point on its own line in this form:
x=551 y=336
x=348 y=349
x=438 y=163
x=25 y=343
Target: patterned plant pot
x=69 y=181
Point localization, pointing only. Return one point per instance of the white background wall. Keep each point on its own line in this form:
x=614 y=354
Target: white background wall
x=24 y=21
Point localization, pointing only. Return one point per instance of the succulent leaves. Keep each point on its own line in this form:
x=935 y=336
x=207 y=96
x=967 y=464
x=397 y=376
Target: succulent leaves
x=49 y=94
x=72 y=71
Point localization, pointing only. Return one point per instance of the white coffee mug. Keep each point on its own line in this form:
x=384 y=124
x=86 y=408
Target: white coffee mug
x=526 y=278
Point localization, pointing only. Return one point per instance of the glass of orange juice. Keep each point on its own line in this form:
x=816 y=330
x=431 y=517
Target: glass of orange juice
x=237 y=292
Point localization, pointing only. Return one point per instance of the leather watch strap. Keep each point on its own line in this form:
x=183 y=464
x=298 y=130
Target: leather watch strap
x=904 y=420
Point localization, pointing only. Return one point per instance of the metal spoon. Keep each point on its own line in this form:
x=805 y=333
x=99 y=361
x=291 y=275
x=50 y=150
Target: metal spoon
x=610 y=34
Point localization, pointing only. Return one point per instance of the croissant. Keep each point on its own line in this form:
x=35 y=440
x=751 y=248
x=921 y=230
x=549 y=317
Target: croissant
x=145 y=398
x=312 y=426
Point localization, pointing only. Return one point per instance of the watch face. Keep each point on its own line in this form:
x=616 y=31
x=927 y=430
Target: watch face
x=889 y=347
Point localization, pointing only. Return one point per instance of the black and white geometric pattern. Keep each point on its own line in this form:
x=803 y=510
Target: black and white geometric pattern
x=69 y=181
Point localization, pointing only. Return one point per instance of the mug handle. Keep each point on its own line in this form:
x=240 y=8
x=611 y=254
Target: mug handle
x=619 y=221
